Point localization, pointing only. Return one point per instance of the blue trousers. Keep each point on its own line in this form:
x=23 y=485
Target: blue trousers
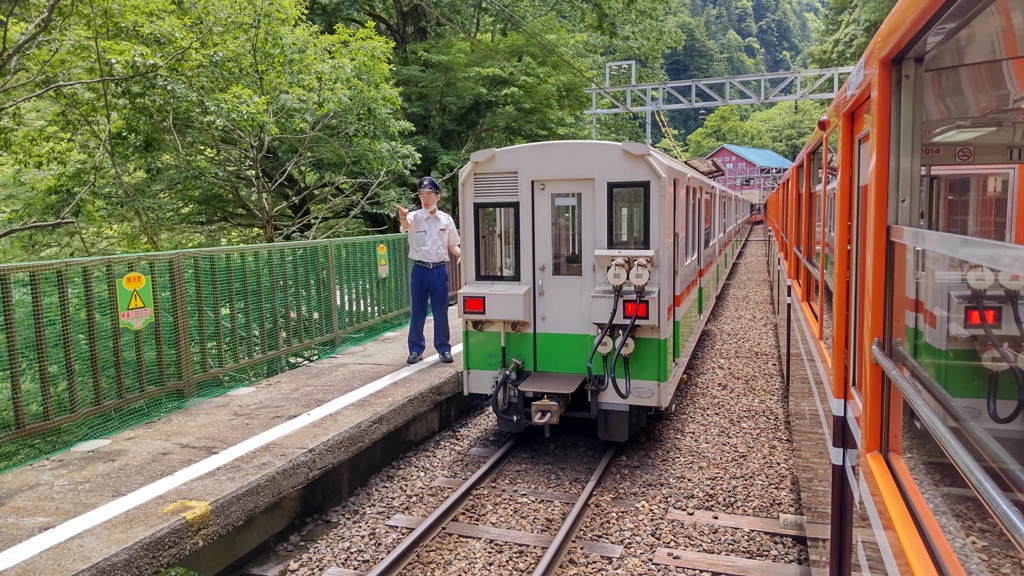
x=429 y=283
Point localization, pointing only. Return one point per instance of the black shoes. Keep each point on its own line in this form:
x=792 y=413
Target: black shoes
x=413 y=358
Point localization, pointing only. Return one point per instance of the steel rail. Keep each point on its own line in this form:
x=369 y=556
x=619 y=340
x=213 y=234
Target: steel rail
x=393 y=563
x=553 y=557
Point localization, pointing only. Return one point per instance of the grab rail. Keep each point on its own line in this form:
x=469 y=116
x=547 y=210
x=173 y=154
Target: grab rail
x=1005 y=513
x=996 y=455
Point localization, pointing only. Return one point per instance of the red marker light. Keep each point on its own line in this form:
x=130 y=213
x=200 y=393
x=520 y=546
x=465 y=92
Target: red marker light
x=473 y=305
x=993 y=317
x=823 y=123
x=629 y=308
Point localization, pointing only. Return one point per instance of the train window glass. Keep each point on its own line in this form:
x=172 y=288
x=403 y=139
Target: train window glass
x=566 y=238
x=497 y=241
x=686 y=226
x=721 y=229
x=972 y=204
x=798 y=223
x=629 y=215
x=707 y=218
x=815 y=206
x=694 y=220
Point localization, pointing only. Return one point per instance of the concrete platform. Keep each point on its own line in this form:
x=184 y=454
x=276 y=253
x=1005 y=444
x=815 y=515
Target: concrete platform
x=246 y=464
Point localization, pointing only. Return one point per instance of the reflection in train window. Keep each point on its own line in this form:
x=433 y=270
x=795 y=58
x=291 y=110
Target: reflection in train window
x=970 y=204
x=497 y=241
x=629 y=215
x=566 y=238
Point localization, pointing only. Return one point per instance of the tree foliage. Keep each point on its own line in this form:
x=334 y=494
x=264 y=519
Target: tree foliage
x=129 y=125
x=845 y=30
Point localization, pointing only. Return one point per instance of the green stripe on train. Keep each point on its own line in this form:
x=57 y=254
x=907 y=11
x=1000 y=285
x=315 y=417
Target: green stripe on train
x=958 y=371
x=561 y=353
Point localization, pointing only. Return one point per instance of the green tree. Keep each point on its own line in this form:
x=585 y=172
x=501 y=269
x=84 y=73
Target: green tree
x=725 y=125
x=845 y=30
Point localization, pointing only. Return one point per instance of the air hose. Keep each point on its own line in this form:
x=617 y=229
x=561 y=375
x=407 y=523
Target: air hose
x=618 y=350
x=597 y=343
x=498 y=386
x=993 y=381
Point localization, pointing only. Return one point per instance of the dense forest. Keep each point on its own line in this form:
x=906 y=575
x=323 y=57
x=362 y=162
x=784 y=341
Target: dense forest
x=145 y=125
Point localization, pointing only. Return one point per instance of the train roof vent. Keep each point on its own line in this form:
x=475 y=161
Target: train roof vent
x=496 y=186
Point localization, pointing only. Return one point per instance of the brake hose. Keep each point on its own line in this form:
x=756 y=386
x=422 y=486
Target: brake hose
x=993 y=381
x=597 y=344
x=618 y=350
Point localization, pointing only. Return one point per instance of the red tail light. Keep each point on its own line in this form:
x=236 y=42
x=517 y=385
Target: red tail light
x=630 y=307
x=472 y=304
x=993 y=317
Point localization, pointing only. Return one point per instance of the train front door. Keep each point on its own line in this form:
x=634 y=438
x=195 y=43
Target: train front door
x=563 y=271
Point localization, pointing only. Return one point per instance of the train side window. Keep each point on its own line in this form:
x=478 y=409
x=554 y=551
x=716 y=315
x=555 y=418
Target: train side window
x=629 y=215
x=815 y=206
x=707 y=217
x=972 y=204
x=566 y=234
x=799 y=222
x=497 y=241
x=694 y=220
x=686 y=226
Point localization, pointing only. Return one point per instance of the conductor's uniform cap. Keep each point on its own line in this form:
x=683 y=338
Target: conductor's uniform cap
x=428 y=183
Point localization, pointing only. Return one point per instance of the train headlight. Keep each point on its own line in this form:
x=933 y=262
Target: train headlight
x=640 y=274
x=627 y=348
x=618 y=272
x=979 y=278
x=1010 y=281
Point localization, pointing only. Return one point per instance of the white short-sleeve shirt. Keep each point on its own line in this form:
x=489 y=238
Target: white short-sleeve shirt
x=430 y=235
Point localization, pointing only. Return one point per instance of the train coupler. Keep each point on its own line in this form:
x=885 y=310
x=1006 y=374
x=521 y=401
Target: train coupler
x=545 y=412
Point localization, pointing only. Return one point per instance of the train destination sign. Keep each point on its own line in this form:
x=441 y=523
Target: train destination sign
x=135 y=301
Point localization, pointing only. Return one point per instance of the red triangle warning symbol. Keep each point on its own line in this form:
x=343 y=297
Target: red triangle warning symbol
x=136 y=302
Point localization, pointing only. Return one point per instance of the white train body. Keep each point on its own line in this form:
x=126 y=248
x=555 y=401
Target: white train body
x=543 y=225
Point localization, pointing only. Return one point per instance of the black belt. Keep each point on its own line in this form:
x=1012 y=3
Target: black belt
x=428 y=264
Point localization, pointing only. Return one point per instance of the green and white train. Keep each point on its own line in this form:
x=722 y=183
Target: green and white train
x=589 y=271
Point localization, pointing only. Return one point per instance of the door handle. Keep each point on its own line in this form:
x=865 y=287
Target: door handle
x=540 y=287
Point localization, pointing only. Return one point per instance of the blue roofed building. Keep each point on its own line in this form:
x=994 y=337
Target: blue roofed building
x=754 y=172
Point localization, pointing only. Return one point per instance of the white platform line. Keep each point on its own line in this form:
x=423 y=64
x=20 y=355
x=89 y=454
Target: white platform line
x=50 y=538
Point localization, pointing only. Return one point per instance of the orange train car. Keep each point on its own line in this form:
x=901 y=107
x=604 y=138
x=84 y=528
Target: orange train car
x=897 y=267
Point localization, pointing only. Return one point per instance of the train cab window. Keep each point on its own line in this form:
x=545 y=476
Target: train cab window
x=629 y=215
x=972 y=204
x=566 y=234
x=497 y=241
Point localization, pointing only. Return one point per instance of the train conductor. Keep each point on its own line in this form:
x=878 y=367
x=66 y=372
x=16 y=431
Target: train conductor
x=432 y=235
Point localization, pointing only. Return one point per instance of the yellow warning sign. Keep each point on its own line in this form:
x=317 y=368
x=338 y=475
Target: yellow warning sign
x=136 y=302
x=382 y=249
x=133 y=281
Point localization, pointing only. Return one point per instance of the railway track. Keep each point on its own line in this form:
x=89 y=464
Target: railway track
x=440 y=521
x=711 y=489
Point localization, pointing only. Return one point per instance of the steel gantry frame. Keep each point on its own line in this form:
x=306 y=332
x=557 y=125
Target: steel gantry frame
x=710 y=92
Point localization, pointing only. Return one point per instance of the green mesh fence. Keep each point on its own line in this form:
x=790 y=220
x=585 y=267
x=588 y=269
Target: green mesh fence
x=79 y=361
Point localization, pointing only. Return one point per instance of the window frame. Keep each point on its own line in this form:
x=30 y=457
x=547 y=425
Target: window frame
x=646 y=186
x=479 y=276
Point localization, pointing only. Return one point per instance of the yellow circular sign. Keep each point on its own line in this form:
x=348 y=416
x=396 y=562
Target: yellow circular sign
x=382 y=248
x=133 y=281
